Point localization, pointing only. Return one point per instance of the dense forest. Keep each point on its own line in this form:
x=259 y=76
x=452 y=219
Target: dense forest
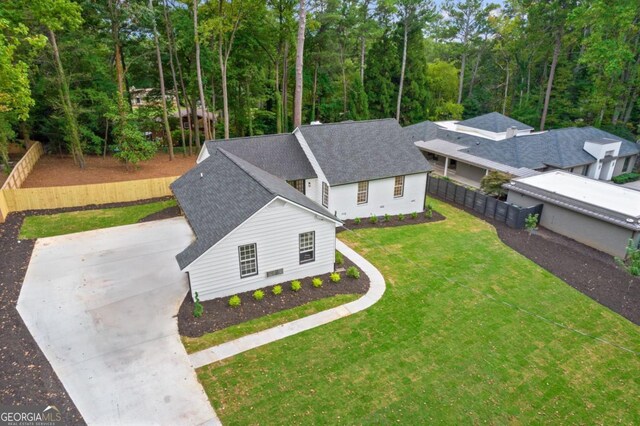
x=67 y=67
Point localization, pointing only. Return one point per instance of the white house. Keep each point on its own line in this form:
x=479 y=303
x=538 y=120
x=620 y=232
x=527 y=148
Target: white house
x=352 y=168
x=251 y=228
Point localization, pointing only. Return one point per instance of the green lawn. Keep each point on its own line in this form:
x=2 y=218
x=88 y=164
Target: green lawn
x=432 y=351
x=68 y=223
x=195 y=344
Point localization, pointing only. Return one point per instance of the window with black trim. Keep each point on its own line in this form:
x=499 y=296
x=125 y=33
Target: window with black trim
x=325 y=194
x=398 y=187
x=307 y=242
x=626 y=164
x=248 y=255
x=363 y=192
x=297 y=184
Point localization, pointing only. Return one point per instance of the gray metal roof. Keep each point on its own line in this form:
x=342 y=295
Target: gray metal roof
x=494 y=122
x=354 y=151
x=222 y=192
x=280 y=155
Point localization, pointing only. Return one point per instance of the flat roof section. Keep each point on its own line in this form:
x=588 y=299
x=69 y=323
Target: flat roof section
x=597 y=193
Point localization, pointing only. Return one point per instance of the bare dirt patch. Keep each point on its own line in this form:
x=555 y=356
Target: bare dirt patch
x=55 y=170
x=218 y=314
x=586 y=269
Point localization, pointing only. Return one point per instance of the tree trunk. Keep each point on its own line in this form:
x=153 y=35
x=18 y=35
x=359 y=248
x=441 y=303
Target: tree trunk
x=163 y=92
x=474 y=74
x=463 y=64
x=402 y=69
x=285 y=83
x=194 y=110
x=225 y=99
x=106 y=136
x=297 y=96
x=363 y=49
x=214 y=120
x=552 y=72
x=203 y=104
x=69 y=112
x=314 y=92
x=173 y=75
x=278 y=99
x=344 y=79
x=632 y=101
x=506 y=90
x=119 y=66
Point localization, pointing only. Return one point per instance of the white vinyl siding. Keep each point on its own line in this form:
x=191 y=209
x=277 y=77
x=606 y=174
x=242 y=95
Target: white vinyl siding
x=275 y=230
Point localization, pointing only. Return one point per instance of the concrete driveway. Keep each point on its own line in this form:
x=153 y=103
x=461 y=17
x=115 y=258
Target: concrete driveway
x=101 y=306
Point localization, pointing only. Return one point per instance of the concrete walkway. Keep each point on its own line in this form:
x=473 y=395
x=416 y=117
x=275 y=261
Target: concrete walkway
x=101 y=306
x=234 y=347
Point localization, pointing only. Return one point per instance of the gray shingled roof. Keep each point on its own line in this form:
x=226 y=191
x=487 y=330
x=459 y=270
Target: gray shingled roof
x=354 y=151
x=222 y=192
x=423 y=131
x=558 y=148
x=494 y=122
x=280 y=155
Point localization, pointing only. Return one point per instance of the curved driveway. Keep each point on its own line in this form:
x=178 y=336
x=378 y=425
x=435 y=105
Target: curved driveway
x=101 y=305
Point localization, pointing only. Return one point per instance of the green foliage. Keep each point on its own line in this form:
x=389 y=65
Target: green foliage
x=387 y=217
x=296 y=285
x=373 y=219
x=414 y=215
x=334 y=277
x=339 y=258
x=492 y=183
x=442 y=78
x=626 y=177
x=198 y=309
x=400 y=217
x=276 y=290
x=357 y=221
x=258 y=295
x=316 y=282
x=353 y=272
x=632 y=262
x=531 y=222
x=235 y=301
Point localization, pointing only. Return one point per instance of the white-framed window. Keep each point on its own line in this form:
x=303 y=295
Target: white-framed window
x=307 y=244
x=398 y=187
x=325 y=194
x=363 y=192
x=625 y=166
x=297 y=184
x=248 y=255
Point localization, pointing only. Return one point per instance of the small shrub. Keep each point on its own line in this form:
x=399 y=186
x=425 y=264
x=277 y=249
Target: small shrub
x=373 y=219
x=198 y=309
x=387 y=217
x=414 y=215
x=276 y=290
x=632 y=262
x=429 y=206
x=531 y=222
x=357 y=221
x=339 y=258
x=235 y=301
x=626 y=177
x=353 y=272
x=401 y=217
x=258 y=295
x=316 y=282
x=335 y=277
x=296 y=285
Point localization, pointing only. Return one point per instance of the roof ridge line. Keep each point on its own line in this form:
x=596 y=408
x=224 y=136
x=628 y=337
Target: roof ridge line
x=229 y=155
x=349 y=122
x=247 y=137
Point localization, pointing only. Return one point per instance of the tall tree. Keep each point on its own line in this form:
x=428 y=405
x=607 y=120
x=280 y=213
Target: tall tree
x=203 y=104
x=297 y=98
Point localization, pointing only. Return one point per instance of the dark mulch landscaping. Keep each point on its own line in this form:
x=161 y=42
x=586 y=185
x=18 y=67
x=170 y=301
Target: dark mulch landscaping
x=167 y=213
x=218 y=314
x=586 y=269
x=27 y=377
x=393 y=221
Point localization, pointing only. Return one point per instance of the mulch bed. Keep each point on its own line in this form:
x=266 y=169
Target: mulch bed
x=586 y=269
x=393 y=221
x=167 y=213
x=27 y=377
x=218 y=314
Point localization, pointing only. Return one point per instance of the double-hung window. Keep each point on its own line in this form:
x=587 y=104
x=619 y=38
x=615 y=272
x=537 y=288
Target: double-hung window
x=248 y=255
x=363 y=192
x=297 y=184
x=307 y=244
x=398 y=187
x=325 y=194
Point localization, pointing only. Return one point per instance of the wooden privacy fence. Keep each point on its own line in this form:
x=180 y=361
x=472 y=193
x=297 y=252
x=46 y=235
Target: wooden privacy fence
x=55 y=197
x=513 y=216
x=22 y=169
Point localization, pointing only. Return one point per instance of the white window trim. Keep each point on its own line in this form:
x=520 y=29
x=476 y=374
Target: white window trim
x=306 y=248
x=325 y=194
x=249 y=259
x=365 y=191
x=395 y=185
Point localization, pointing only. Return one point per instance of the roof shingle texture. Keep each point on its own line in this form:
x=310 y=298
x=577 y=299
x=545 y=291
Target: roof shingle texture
x=494 y=122
x=222 y=192
x=280 y=155
x=363 y=150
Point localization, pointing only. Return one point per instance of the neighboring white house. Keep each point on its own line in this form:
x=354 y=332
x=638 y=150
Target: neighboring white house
x=352 y=168
x=465 y=151
x=599 y=214
x=251 y=228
